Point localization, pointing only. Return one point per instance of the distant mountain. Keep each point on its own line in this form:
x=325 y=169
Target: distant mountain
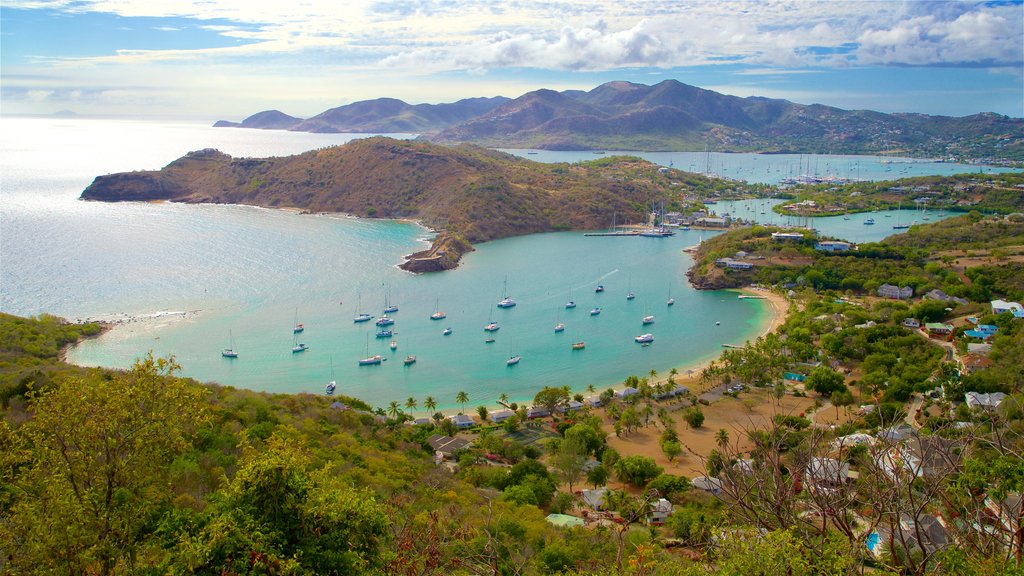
x=470 y=194
x=380 y=116
x=674 y=116
x=668 y=116
x=269 y=119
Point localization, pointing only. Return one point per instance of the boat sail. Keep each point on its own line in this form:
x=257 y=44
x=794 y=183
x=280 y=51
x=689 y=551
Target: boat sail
x=361 y=316
x=374 y=360
x=230 y=352
x=506 y=302
x=333 y=383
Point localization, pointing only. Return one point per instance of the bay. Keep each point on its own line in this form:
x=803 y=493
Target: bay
x=179 y=279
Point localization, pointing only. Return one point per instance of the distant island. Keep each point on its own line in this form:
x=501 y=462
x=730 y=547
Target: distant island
x=467 y=193
x=668 y=116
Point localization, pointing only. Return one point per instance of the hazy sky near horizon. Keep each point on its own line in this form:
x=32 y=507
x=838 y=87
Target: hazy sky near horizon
x=230 y=58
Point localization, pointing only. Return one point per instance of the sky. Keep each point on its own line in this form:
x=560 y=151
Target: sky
x=227 y=59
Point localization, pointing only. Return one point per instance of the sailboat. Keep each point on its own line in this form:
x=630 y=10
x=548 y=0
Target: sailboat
x=361 y=316
x=897 y=225
x=388 y=306
x=648 y=318
x=385 y=320
x=394 y=345
x=629 y=290
x=437 y=315
x=374 y=360
x=506 y=302
x=580 y=345
x=298 y=327
x=571 y=303
x=492 y=326
x=298 y=346
x=670 y=300
x=332 y=384
x=230 y=352
x=559 y=327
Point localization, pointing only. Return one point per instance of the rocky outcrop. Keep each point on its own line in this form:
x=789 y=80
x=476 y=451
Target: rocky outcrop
x=717 y=279
x=444 y=253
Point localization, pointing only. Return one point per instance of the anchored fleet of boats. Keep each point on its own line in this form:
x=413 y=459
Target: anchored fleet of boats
x=385 y=324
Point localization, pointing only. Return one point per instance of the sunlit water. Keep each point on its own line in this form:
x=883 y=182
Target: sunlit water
x=183 y=279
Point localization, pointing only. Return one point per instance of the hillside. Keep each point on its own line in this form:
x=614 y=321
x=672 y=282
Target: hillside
x=468 y=194
x=672 y=116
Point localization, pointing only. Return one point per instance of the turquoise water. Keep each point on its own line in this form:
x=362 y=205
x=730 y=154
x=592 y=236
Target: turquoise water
x=182 y=278
x=853 y=230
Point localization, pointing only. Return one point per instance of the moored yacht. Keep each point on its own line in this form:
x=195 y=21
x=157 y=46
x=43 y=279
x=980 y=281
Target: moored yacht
x=513 y=360
x=644 y=338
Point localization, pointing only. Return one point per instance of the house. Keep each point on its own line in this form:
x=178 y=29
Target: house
x=418 y=421
x=538 y=412
x=593 y=499
x=446 y=446
x=927 y=533
x=895 y=292
x=938 y=329
x=462 y=421
x=1007 y=512
x=660 y=511
x=786 y=236
x=708 y=484
x=983 y=331
x=572 y=405
x=850 y=440
x=733 y=264
x=626 y=392
x=987 y=402
x=595 y=401
x=1000 y=306
x=921 y=457
x=564 y=520
x=499 y=416
x=709 y=222
x=897 y=433
x=970 y=363
x=911 y=323
x=827 y=472
x=937 y=294
x=833 y=246
x=679 y=390
x=979 y=348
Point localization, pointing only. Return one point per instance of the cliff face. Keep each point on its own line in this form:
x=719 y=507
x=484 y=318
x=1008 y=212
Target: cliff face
x=469 y=194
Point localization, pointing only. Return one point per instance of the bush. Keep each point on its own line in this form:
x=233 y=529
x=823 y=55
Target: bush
x=637 y=470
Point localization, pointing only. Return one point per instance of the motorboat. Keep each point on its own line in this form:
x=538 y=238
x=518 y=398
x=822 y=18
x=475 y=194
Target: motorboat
x=513 y=360
x=649 y=319
x=559 y=327
x=644 y=338
x=595 y=311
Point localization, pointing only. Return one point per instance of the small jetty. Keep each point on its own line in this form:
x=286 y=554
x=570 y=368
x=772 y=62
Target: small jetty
x=750 y=297
x=734 y=346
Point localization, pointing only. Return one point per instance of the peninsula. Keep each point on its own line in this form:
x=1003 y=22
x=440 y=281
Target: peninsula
x=467 y=193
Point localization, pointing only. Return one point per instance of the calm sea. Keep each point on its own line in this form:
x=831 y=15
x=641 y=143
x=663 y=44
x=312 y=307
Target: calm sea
x=190 y=280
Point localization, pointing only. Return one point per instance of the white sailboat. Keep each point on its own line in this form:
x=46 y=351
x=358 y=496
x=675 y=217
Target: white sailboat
x=361 y=316
x=506 y=301
x=297 y=328
x=230 y=352
x=897 y=225
x=333 y=383
x=368 y=360
x=437 y=315
x=629 y=289
x=559 y=327
x=298 y=346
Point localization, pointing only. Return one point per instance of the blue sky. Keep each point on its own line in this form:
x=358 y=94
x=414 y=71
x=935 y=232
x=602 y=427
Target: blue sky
x=228 y=59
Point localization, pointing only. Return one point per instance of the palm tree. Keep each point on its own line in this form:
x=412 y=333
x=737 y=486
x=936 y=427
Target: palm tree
x=590 y=389
x=394 y=410
x=503 y=399
x=430 y=404
x=462 y=398
x=411 y=403
x=652 y=373
x=672 y=376
x=722 y=437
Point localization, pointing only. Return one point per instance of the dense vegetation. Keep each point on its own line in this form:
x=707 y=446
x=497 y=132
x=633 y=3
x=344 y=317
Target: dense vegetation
x=990 y=193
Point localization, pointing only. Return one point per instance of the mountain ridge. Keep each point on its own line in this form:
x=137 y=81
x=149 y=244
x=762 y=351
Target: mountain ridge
x=669 y=116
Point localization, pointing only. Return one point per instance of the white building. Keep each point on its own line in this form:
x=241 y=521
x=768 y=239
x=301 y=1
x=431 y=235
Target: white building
x=1000 y=306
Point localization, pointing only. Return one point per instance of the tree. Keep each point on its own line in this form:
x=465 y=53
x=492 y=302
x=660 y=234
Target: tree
x=637 y=470
x=410 y=403
x=569 y=460
x=841 y=398
x=779 y=391
x=503 y=399
x=100 y=453
x=597 y=476
x=825 y=381
x=430 y=404
x=393 y=410
x=552 y=397
x=694 y=417
x=462 y=398
x=481 y=411
x=722 y=437
x=671 y=448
